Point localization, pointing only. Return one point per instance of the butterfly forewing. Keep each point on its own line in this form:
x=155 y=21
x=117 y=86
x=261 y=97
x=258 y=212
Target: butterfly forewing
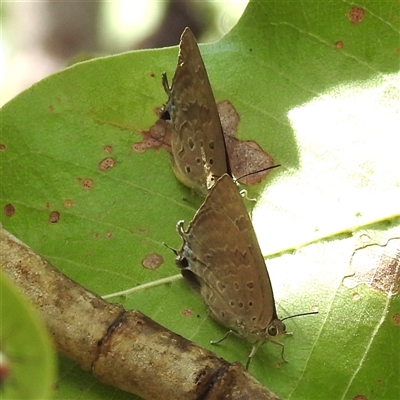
x=221 y=249
x=198 y=146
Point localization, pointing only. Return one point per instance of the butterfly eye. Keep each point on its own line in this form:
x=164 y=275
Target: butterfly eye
x=272 y=331
x=182 y=262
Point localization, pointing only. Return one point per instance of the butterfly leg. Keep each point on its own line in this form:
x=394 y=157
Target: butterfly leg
x=165 y=84
x=253 y=351
x=283 y=348
x=224 y=337
x=243 y=193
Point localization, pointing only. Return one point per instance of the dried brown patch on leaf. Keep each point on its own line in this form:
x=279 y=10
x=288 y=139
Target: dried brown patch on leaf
x=360 y=397
x=396 y=319
x=377 y=266
x=54 y=217
x=152 y=261
x=68 y=203
x=9 y=210
x=158 y=136
x=339 y=45
x=356 y=15
x=108 y=149
x=107 y=164
x=187 y=312
x=2 y=147
x=87 y=183
x=247 y=157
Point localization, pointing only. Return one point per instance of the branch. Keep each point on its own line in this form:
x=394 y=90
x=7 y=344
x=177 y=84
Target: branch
x=125 y=349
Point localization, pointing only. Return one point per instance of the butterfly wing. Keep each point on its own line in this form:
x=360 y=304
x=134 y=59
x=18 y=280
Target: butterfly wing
x=198 y=146
x=221 y=249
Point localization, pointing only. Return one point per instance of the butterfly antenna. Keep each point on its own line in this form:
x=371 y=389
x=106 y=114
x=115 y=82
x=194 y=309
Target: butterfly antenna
x=300 y=315
x=256 y=172
x=169 y=247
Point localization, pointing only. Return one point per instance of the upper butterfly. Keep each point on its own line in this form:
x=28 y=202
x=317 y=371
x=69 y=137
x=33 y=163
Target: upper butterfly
x=198 y=148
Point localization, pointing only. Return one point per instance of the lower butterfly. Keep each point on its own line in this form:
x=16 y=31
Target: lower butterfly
x=221 y=255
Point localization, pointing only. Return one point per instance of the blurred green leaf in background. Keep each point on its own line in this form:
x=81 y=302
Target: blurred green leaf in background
x=26 y=350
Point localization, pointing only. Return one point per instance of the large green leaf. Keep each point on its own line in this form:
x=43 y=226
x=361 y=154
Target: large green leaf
x=317 y=91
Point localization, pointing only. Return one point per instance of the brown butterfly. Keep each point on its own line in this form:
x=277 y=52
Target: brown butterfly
x=198 y=146
x=221 y=254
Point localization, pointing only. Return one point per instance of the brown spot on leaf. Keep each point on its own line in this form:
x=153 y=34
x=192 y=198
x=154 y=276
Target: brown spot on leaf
x=339 y=44
x=360 y=397
x=152 y=75
x=187 y=312
x=9 y=210
x=54 y=217
x=142 y=230
x=396 y=319
x=87 y=183
x=158 y=136
x=47 y=205
x=247 y=157
x=356 y=15
x=108 y=149
x=50 y=108
x=106 y=164
x=109 y=234
x=377 y=266
x=152 y=261
x=68 y=203
x=2 y=147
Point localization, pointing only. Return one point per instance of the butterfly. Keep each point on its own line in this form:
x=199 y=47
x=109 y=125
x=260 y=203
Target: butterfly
x=199 y=154
x=220 y=254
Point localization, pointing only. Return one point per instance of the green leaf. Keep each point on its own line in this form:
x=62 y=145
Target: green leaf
x=321 y=95
x=25 y=347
